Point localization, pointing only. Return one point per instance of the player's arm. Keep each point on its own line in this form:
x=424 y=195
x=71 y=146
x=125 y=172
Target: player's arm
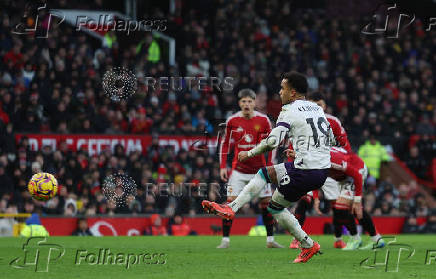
x=316 y=201
x=224 y=150
x=272 y=141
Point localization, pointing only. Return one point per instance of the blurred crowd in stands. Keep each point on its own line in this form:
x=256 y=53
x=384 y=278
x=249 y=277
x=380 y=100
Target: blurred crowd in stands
x=379 y=88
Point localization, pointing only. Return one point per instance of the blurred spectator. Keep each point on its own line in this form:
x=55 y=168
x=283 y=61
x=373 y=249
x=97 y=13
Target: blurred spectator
x=411 y=225
x=7 y=186
x=179 y=227
x=430 y=225
x=82 y=228
x=373 y=154
x=156 y=227
x=417 y=163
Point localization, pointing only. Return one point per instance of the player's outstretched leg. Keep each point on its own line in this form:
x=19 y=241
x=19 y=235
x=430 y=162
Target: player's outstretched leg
x=250 y=191
x=368 y=225
x=277 y=207
x=303 y=205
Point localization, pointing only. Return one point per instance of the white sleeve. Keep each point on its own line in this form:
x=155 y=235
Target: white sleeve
x=275 y=137
x=285 y=119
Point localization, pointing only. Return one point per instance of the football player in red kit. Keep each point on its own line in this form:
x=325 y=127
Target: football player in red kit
x=244 y=130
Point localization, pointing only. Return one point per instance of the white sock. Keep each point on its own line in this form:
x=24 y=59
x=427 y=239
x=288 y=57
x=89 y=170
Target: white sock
x=270 y=238
x=376 y=237
x=226 y=239
x=338 y=238
x=290 y=223
x=355 y=237
x=251 y=190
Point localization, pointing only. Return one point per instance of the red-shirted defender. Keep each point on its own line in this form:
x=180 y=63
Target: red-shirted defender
x=244 y=130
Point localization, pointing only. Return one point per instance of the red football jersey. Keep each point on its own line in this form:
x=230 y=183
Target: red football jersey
x=244 y=134
x=339 y=132
x=348 y=164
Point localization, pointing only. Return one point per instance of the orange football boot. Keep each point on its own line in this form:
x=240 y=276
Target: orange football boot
x=307 y=253
x=222 y=210
x=340 y=244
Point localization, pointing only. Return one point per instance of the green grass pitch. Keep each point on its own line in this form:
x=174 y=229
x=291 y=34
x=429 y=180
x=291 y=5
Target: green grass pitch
x=197 y=257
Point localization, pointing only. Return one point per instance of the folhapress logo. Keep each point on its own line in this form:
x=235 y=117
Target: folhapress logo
x=389 y=22
x=38 y=254
x=391 y=256
x=32 y=11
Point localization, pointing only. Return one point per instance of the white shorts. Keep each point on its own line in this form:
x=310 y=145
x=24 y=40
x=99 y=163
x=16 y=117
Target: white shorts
x=347 y=185
x=237 y=182
x=347 y=189
x=330 y=189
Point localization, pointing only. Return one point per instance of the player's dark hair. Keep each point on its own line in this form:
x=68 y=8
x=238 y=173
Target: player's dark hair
x=296 y=81
x=315 y=96
x=246 y=93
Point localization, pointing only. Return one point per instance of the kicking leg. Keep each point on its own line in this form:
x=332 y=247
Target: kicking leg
x=252 y=189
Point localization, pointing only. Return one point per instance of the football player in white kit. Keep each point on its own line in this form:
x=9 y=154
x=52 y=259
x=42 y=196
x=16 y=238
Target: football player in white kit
x=307 y=127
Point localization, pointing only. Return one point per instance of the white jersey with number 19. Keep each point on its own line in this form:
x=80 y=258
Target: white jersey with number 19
x=309 y=132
